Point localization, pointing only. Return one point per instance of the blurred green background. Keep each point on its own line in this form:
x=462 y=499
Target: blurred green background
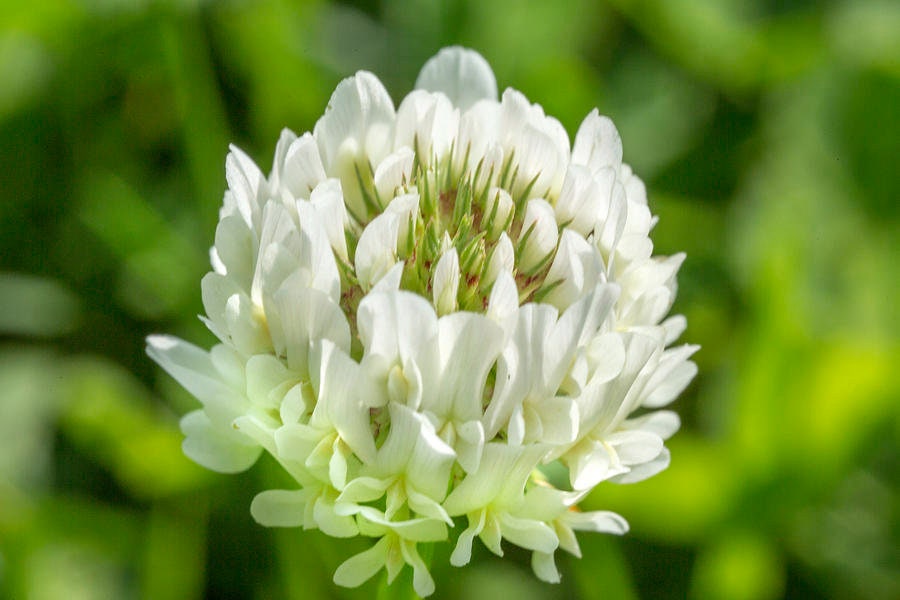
x=768 y=134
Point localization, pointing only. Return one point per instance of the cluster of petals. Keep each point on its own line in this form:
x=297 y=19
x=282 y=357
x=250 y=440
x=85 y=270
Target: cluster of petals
x=427 y=313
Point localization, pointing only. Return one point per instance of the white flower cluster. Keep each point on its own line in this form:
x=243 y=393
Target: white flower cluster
x=422 y=308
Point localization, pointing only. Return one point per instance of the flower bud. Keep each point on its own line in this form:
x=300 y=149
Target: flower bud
x=503 y=258
x=445 y=283
x=498 y=212
x=538 y=237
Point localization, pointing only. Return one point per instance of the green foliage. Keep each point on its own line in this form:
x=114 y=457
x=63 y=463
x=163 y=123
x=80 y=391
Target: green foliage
x=768 y=140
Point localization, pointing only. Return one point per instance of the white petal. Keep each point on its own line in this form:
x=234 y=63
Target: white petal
x=328 y=200
x=279 y=250
x=268 y=380
x=301 y=169
x=190 y=366
x=484 y=486
x=634 y=187
x=559 y=420
x=305 y=316
x=469 y=344
x=543 y=503
x=427 y=123
x=426 y=506
x=597 y=143
x=462 y=552
x=391 y=280
x=295 y=442
x=461 y=74
x=590 y=465
x=396 y=324
x=236 y=248
x=361 y=110
x=674 y=326
x=245 y=323
x=636 y=446
x=358 y=569
x=376 y=251
x=285 y=139
x=544 y=567
x=540 y=144
x=406 y=207
x=279 y=508
x=503 y=304
x=260 y=428
x=361 y=490
x=502 y=260
x=413 y=443
x=247 y=185
x=577 y=324
x=528 y=533
x=663 y=423
x=608 y=232
x=498 y=211
x=216 y=448
x=423 y=584
x=520 y=369
x=668 y=389
x=445 y=283
x=576 y=268
x=470 y=445
x=599 y=521
x=643 y=471
x=606 y=353
x=394 y=173
x=338 y=380
x=316 y=254
x=331 y=523
x=215 y=290
x=417 y=530
x=581 y=200
x=295 y=405
x=539 y=225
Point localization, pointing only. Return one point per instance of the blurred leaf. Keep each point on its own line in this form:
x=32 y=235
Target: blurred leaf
x=25 y=69
x=532 y=32
x=288 y=92
x=682 y=504
x=110 y=417
x=36 y=306
x=71 y=548
x=848 y=540
x=726 y=42
x=867 y=32
x=174 y=546
x=650 y=101
x=605 y=573
x=160 y=270
x=30 y=380
x=73 y=571
x=740 y=566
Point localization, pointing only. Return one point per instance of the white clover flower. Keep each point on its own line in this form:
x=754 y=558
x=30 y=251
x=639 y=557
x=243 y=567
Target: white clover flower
x=421 y=308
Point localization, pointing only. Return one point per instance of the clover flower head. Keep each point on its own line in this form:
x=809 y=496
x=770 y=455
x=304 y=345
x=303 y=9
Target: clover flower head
x=421 y=309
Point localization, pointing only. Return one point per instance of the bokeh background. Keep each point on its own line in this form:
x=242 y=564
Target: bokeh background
x=768 y=134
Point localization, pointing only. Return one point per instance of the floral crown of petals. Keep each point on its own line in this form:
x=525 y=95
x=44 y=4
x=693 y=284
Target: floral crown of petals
x=423 y=307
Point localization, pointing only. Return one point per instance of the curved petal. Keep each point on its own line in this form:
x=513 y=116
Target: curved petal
x=361 y=567
x=463 y=75
x=361 y=111
x=396 y=325
x=279 y=508
x=376 y=252
x=597 y=143
x=218 y=449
